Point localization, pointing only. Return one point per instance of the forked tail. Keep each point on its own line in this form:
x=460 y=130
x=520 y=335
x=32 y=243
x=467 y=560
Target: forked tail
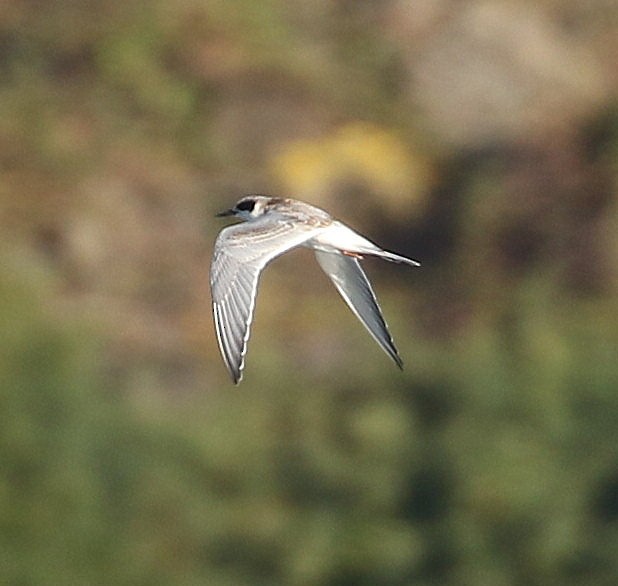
x=392 y=257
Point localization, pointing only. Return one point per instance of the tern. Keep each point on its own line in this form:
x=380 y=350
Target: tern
x=271 y=226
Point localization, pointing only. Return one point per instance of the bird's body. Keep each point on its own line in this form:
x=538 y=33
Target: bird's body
x=272 y=227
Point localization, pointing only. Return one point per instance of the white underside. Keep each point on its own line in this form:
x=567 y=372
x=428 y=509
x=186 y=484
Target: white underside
x=338 y=237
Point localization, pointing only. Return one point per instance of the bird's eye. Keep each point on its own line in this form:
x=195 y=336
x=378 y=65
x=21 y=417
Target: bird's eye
x=246 y=205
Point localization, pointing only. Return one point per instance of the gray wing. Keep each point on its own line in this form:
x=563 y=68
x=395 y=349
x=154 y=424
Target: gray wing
x=241 y=252
x=347 y=275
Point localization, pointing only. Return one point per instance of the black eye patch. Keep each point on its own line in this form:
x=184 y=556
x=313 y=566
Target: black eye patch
x=246 y=206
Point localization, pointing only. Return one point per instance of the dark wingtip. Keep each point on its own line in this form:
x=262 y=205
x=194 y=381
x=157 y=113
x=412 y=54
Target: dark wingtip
x=394 y=355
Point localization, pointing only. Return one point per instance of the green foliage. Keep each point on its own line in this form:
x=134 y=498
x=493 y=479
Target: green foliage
x=127 y=458
x=236 y=491
x=506 y=477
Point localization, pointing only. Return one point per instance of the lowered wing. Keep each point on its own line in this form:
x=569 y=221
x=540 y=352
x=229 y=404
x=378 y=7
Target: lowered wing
x=241 y=252
x=347 y=275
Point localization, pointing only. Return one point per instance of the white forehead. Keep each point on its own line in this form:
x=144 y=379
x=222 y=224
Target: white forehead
x=256 y=198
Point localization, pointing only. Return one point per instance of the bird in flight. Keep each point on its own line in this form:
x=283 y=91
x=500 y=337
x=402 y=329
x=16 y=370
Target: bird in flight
x=272 y=226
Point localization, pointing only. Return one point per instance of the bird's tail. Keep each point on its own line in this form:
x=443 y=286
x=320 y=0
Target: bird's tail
x=392 y=257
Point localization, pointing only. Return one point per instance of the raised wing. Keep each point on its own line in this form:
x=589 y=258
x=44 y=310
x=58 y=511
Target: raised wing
x=241 y=252
x=347 y=275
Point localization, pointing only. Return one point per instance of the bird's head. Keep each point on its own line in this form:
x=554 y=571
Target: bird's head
x=249 y=207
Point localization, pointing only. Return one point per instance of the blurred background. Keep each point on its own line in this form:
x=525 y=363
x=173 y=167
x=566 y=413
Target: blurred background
x=480 y=138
